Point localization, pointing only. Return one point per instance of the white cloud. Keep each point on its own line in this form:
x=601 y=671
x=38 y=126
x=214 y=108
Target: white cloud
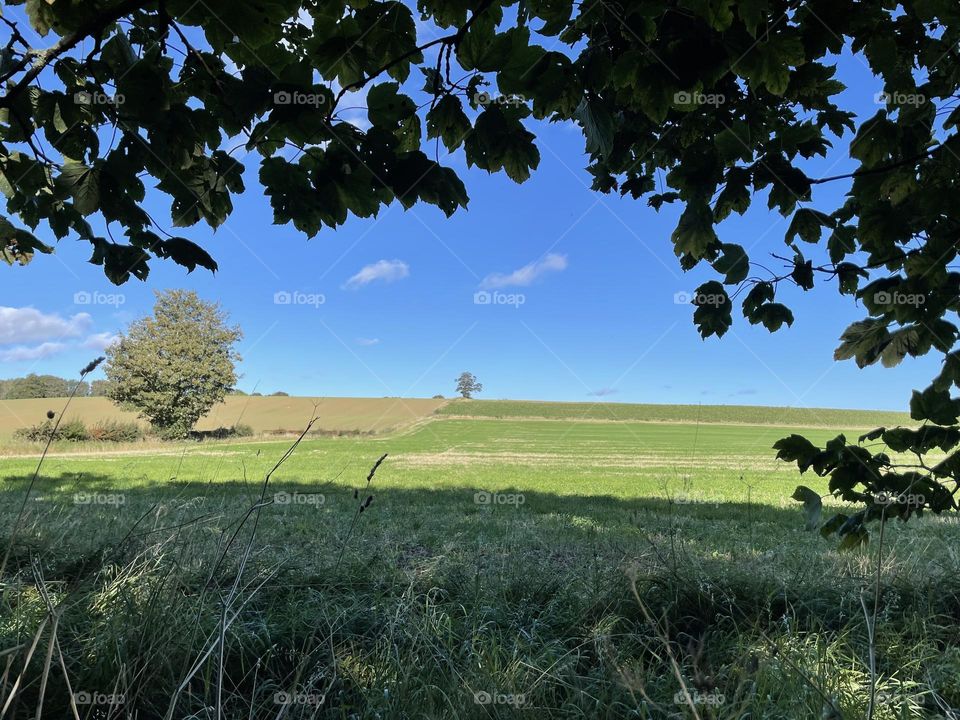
x=527 y=274
x=22 y=352
x=367 y=341
x=26 y=325
x=386 y=270
x=100 y=341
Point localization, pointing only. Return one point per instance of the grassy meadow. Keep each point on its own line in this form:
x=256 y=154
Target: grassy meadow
x=508 y=565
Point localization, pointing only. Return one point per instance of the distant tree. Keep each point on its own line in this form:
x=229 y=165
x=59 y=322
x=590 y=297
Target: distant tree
x=82 y=387
x=280 y=393
x=237 y=391
x=100 y=388
x=39 y=386
x=467 y=385
x=176 y=364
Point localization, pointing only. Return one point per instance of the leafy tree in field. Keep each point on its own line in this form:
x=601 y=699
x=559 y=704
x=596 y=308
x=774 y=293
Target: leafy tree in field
x=175 y=365
x=706 y=104
x=467 y=385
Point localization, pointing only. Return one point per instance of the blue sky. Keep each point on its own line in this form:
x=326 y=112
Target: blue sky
x=582 y=290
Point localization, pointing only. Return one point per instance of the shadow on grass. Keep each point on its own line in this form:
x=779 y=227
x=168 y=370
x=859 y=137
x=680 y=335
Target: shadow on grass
x=450 y=581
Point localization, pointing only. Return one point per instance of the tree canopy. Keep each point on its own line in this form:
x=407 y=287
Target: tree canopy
x=467 y=385
x=707 y=104
x=175 y=365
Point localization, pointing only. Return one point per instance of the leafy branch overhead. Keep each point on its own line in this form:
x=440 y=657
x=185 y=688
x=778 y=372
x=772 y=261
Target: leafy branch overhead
x=708 y=105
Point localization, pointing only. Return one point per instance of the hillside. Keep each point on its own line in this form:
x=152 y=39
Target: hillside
x=724 y=414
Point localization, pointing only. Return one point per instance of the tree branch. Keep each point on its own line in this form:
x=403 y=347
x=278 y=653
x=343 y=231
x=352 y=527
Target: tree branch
x=452 y=39
x=93 y=28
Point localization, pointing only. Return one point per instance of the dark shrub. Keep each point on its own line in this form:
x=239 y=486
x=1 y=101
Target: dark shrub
x=71 y=430
x=116 y=431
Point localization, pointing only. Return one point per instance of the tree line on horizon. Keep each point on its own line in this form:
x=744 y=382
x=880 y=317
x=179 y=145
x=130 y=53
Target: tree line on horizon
x=33 y=385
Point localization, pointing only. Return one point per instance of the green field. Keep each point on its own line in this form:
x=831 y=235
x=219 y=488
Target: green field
x=723 y=414
x=521 y=568
x=262 y=414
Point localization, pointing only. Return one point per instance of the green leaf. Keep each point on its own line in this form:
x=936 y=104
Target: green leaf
x=694 y=233
x=83 y=184
x=812 y=505
x=19 y=246
x=598 y=126
x=500 y=142
x=808 y=224
x=796 y=448
x=774 y=316
x=863 y=341
x=767 y=64
x=751 y=13
x=802 y=273
x=735 y=196
x=713 y=315
x=934 y=405
x=186 y=253
x=447 y=121
x=386 y=107
x=733 y=264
